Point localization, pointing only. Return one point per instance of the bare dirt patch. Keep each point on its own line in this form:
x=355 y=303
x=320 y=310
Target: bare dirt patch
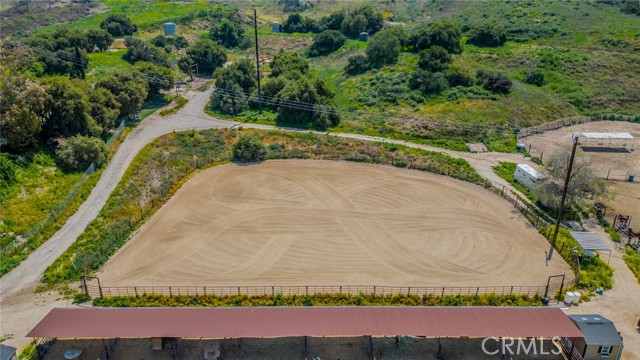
x=299 y=222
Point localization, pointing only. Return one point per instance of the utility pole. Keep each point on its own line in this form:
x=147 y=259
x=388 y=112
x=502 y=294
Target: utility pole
x=564 y=196
x=255 y=28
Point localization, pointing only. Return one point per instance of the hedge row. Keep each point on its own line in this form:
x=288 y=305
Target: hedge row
x=319 y=300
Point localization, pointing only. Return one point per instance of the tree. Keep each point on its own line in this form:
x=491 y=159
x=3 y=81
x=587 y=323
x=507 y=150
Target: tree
x=374 y=17
x=68 y=109
x=288 y=61
x=138 y=50
x=233 y=83
x=158 y=77
x=434 y=59
x=311 y=93
x=428 y=82
x=383 y=49
x=98 y=39
x=206 y=54
x=333 y=21
x=300 y=24
x=357 y=64
x=21 y=102
x=441 y=33
x=118 y=25
x=583 y=183
x=496 y=82
x=249 y=149
x=104 y=108
x=77 y=69
x=353 y=25
x=488 y=34
x=226 y=33
x=78 y=152
x=130 y=90
x=326 y=42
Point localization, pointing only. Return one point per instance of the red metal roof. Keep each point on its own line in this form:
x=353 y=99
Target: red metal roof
x=256 y=322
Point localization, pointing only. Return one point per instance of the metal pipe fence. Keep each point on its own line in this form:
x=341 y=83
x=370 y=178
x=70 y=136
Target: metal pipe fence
x=95 y=291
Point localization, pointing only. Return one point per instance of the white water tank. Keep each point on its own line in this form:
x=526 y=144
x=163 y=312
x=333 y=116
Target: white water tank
x=568 y=298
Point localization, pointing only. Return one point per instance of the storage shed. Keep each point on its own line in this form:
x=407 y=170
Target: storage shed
x=364 y=36
x=527 y=176
x=276 y=27
x=601 y=338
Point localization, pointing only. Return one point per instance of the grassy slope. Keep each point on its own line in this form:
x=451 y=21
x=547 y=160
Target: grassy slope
x=102 y=64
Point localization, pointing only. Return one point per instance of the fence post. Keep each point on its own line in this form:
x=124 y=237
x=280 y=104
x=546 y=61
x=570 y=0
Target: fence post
x=170 y=293
x=99 y=287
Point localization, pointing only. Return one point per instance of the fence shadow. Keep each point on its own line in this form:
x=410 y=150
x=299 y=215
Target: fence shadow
x=604 y=149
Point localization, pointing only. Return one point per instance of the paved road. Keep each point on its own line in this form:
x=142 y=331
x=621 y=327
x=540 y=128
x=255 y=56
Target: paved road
x=20 y=310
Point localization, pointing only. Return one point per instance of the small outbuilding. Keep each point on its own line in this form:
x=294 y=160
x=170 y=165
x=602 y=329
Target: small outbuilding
x=8 y=352
x=276 y=27
x=527 y=176
x=364 y=36
x=601 y=338
x=170 y=29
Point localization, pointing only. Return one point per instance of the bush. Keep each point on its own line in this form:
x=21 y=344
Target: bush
x=357 y=64
x=440 y=33
x=434 y=59
x=383 y=49
x=535 y=77
x=632 y=258
x=428 y=82
x=78 y=152
x=326 y=42
x=226 y=33
x=7 y=172
x=489 y=34
x=80 y=298
x=458 y=77
x=206 y=54
x=118 y=25
x=300 y=24
x=249 y=149
x=496 y=82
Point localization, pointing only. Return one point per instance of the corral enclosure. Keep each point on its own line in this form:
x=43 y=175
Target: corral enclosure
x=302 y=222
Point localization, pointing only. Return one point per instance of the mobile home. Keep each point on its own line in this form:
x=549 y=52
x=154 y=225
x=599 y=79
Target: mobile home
x=527 y=176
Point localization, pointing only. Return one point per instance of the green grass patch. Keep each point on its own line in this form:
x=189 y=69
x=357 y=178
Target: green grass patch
x=632 y=258
x=318 y=300
x=594 y=273
x=103 y=64
x=166 y=163
x=180 y=102
x=152 y=104
x=32 y=210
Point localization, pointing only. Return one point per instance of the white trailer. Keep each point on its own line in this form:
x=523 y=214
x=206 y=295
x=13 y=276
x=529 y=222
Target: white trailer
x=527 y=176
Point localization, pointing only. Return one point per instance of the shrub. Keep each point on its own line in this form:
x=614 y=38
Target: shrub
x=383 y=49
x=488 y=34
x=428 y=82
x=248 y=149
x=434 y=59
x=118 y=25
x=632 y=258
x=357 y=64
x=496 y=82
x=535 y=77
x=441 y=33
x=78 y=152
x=458 y=77
x=80 y=298
x=300 y=24
x=226 y=33
x=326 y=42
x=7 y=172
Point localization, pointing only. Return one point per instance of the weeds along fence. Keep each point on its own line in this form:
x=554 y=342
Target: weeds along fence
x=53 y=214
x=573 y=120
x=98 y=291
x=611 y=174
x=536 y=216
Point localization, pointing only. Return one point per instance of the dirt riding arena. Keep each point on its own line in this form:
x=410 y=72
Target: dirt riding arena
x=303 y=222
x=617 y=164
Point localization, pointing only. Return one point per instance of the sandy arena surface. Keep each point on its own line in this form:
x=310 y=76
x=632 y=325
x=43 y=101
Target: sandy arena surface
x=297 y=222
x=616 y=161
